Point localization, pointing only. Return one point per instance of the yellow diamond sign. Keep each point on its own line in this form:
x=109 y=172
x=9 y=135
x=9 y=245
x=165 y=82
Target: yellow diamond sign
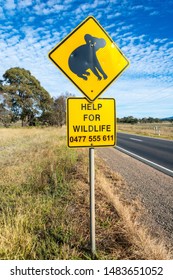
x=89 y=58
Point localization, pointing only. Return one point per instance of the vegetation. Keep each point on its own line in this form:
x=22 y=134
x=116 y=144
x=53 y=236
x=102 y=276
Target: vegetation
x=24 y=99
x=5 y=115
x=23 y=95
x=132 y=120
x=57 y=113
x=44 y=197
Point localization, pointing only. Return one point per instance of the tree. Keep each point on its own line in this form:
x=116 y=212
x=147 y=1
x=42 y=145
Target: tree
x=5 y=116
x=60 y=109
x=129 y=119
x=24 y=96
x=57 y=114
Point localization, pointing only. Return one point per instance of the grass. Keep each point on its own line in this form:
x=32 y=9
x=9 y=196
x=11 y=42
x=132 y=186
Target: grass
x=44 y=203
x=139 y=242
x=35 y=167
x=159 y=130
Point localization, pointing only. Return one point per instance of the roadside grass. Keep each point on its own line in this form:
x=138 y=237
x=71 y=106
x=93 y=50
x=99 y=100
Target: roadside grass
x=159 y=130
x=44 y=203
x=34 y=193
x=141 y=242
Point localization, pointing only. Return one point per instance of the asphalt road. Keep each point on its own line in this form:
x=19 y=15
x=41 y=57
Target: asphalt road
x=155 y=152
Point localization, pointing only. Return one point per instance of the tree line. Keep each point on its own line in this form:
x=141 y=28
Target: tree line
x=132 y=120
x=22 y=98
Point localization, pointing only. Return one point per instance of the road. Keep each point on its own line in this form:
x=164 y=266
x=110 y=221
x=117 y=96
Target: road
x=155 y=152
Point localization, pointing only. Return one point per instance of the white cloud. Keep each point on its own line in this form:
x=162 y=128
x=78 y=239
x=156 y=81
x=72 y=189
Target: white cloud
x=30 y=19
x=13 y=40
x=117 y=14
x=154 y=13
x=24 y=3
x=51 y=3
x=58 y=8
x=49 y=21
x=137 y=7
x=110 y=26
x=151 y=58
x=2 y=16
x=10 y=5
x=110 y=16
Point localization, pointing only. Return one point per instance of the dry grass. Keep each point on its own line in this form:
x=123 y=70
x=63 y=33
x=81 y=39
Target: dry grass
x=160 y=130
x=44 y=203
x=35 y=166
x=143 y=245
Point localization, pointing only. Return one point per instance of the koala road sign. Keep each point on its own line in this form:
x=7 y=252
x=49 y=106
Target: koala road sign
x=89 y=58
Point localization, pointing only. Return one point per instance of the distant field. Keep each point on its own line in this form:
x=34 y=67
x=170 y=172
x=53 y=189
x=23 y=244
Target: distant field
x=44 y=203
x=160 y=130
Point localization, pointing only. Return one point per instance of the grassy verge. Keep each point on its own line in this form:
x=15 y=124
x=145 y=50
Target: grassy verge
x=34 y=194
x=44 y=203
x=159 y=130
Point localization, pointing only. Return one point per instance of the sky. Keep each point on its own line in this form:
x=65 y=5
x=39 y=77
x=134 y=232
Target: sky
x=143 y=30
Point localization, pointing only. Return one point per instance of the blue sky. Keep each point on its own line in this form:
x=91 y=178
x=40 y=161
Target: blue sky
x=29 y=29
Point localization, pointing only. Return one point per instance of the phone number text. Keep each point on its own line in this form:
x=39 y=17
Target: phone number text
x=91 y=138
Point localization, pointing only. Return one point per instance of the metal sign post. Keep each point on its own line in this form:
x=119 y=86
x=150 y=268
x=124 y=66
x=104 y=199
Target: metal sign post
x=92 y=201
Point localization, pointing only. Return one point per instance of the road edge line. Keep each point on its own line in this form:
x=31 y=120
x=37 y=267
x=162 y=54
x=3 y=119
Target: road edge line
x=151 y=163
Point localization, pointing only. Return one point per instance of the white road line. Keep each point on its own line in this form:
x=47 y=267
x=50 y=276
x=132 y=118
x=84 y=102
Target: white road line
x=135 y=139
x=146 y=160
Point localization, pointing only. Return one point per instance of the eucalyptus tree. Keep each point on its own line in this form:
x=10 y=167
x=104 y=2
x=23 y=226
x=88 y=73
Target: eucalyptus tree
x=24 y=96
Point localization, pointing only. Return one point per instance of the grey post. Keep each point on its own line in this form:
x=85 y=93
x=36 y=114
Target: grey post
x=92 y=200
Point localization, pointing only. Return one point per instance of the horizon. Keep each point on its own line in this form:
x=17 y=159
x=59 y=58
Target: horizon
x=30 y=29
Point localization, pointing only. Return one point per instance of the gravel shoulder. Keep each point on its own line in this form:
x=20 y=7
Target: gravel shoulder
x=152 y=187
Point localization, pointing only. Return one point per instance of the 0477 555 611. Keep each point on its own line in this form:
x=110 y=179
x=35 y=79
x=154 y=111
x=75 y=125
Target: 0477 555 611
x=92 y=138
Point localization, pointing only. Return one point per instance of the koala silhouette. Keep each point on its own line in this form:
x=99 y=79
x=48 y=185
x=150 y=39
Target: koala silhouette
x=84 y=58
